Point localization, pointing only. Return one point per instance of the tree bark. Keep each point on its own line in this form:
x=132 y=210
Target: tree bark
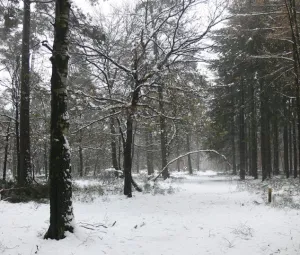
x=275 y=145
x=80 y=151
x=61 y=210
x=6 y=152
x=149 y=151
x=233 y=132
x=25 y=175
x=163 y=135
x=188 y=147
x=285 y=143
x=242 y=142
x=113 y=144
x=294 y=117
x=253 y=134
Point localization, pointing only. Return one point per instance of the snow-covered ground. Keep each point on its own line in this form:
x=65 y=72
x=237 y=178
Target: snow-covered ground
x=206 y=215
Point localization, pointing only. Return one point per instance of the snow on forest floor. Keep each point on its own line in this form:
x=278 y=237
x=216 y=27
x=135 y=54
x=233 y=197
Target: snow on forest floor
x=203 y=215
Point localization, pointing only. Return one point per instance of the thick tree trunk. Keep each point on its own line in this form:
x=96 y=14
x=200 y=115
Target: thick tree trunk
x=25 y=174
x=61 y=210
x=128 y=180
x=113 y=144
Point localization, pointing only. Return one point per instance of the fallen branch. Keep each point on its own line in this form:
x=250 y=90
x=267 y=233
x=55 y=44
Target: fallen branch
x=189 y=153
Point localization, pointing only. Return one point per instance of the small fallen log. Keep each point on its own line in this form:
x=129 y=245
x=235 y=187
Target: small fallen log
x=186 y=154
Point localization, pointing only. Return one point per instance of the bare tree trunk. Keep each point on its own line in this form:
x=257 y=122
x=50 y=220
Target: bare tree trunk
x=81 y=170
x=253 y=134
x=198 y=154
x=113 y=144
x=294 y=117
x=233 y=147
x=275 y=145
x=25 y=176
x=6 y=152
x=242 y=142
x=149 y=151
x=188 y=147
x=163 y=135
x=285 y=143
x=61 y=209
x=290 y=127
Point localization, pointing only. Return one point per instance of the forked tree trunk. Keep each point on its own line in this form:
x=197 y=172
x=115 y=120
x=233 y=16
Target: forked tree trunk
x=61 y=210
x=25 y=175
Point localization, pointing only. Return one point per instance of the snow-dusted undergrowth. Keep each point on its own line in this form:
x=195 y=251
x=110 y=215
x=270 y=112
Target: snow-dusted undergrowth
x=205 y=215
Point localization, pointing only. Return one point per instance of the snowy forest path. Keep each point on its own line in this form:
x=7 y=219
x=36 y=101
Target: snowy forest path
x=203 y=215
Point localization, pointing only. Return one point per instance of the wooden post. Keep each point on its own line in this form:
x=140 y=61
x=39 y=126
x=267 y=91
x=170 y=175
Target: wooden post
x=269 y=195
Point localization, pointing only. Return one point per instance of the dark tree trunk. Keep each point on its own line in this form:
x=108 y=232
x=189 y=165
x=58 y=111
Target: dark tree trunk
x=233 y=132
x=80 y=161
x=17 y=130
x=61 y=210
x=275 y=145
x=188 y=147
x=149 y=151
x=285 y=142
x=6 y=152
x=264 y=133
x=128 y=155
x=253 y=133
x=242 y=142
x=198 y=154
x=294 y=117
x=290 y=137
x=113 y=144
x=128 y=180
x=25 y=174
x=163 y=135
x=80 y=151
x=268 y=140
